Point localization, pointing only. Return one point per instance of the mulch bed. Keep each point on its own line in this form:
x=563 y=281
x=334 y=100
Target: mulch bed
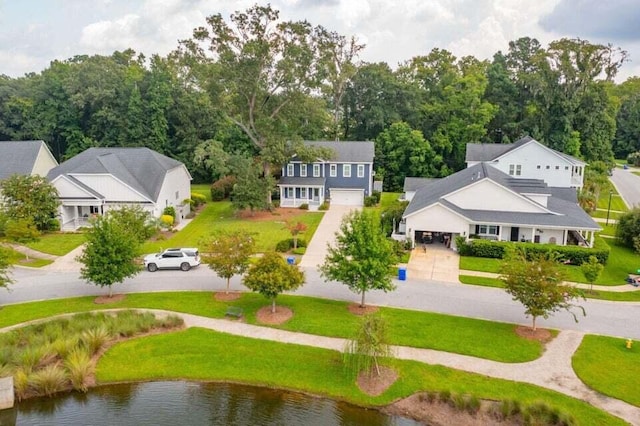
x=282 y=315
x=356 y=309
x=541 y=334
x=105 y=300
x=222 y=296
x=266 y=215
x=374 y=385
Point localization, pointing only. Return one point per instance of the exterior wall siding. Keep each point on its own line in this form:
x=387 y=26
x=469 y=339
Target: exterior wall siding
x=339 y=181
x=176 y=181
x=474 y=196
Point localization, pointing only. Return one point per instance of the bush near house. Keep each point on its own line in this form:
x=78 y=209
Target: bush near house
x=169 y=211
x=575 y=255
x=286 y=245
x=634 y=158
x=198 y=199
x=222 y=188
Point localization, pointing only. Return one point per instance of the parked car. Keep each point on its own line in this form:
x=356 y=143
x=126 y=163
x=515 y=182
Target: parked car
x=173 y=258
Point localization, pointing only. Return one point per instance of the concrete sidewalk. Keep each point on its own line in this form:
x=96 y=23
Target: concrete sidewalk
x=30 y=252
x=553 y=370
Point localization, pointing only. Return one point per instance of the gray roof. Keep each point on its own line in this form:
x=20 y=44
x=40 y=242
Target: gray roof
x=347 y=151
x=141 y=168
x=296 y=180
x=562 y=201
x=415 y=183
x=489 y=151
x=18 y=157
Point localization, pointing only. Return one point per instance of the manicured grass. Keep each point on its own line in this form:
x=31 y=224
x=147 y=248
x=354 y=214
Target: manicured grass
x=607 y=366
x=479 y=338
x=202 y=188
x=636 y=173
x=602 y=214
x=58 y=243
x=199 y=354
x=481 y=264
x=481 y=281
x=217 y=216
x=17 y=258
x=609 y=229
x=617 y=203
x=388 y=198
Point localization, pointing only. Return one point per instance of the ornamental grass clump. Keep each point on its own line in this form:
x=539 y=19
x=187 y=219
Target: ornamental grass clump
x=49 y=380
x=95 y=338
x=79 y=368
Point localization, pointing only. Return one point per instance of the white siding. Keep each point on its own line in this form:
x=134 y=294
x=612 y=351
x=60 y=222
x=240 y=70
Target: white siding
x=532 y=155
x=68 y=189
x=547 y=234
x=488 y=195
x=111 y=188
x=436 y=218
x=538 y=198
x=44 y=162
x=178 y=181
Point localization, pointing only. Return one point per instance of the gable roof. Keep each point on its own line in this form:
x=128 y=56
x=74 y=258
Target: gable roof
x=347 y=151
x=491 y=152
x=141 y=168
x=562 y=203
x=415 y=183
x=18 y=157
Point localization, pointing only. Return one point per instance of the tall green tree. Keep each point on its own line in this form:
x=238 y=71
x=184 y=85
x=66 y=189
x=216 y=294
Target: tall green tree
x=228 y=253
x=401 y=152
x=592 y=270
x=250 y=187
x=109 y=256
x=362 y=256
x=537 y=283
x=272 y=275
x=30 y=197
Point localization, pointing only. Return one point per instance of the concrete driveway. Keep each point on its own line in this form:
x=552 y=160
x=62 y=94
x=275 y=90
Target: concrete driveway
x=628 y=185
x=434 y=262
x=325 y=234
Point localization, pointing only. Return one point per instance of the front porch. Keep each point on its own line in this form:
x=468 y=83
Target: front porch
x=75 y=215
x=295 y=196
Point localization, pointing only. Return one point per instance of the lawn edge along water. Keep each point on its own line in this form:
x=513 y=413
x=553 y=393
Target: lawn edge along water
x=467 y=336
x=205 y=355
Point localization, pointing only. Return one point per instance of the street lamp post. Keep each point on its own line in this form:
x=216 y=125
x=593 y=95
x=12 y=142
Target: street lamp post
x=609 y=207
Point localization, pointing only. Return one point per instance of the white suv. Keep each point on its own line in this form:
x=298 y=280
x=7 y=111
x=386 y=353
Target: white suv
x=173 y=258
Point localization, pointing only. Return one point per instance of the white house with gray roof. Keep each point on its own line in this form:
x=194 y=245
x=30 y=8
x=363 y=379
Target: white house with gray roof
x=487 y=203
x=529 y=159
x=25 y=158
x=344 y=179
x=100 y=179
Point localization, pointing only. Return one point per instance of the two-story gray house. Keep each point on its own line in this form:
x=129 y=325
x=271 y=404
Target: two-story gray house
x=345 y=179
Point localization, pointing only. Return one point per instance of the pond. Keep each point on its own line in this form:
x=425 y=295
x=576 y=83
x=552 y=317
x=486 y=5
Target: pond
x=191 y=403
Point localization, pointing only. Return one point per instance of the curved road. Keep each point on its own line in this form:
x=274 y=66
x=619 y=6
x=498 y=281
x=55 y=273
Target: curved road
x=628 y=185
x=608 y=318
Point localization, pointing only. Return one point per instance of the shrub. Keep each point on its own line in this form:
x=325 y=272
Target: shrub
x=20 y=383
x=628 y=229
x=217 y=193
x=377 y=195
x=370 y=201
x=275 y=203
x=166 y=221
x=392 y=215
x=463 y=247
x=169 y=211
x=570 y=254
x=49 y=380
x=286 y=245
x=634 y=158
x=222 y=188
x=304 y=206
x=79 y=368
x=324 y=206
x=299 y=251
x=198 y=199
x=94 y=339
x=53 y=225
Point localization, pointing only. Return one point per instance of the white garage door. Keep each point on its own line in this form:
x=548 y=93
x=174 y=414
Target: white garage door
x=347 y=197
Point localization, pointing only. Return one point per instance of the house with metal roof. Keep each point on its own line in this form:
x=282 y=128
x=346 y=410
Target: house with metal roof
x=100 y=179
x=344 y=179
x=25 y=158
x=529 y=159
x=484 y=202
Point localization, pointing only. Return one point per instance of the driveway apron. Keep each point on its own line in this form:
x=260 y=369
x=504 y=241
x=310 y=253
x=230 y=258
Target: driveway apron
x=325 y=234
x=434 y=262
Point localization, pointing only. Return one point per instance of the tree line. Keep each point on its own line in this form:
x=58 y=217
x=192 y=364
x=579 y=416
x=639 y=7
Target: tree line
x=254 y=86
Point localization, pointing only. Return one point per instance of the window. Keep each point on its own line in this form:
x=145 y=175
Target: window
x=177 y=194
x=538 y=167
x=557 y=167
x=303 y=170
x=303 y=193
x=333 y=170
x=360 y=170
x=566 y=167
x=289 y=192
x=487 y=229
x=346 y=170
x=289 y=169
x=512 y=168
x=548 y=167
x=94 y=209
x=316 y=170
x=518 y=170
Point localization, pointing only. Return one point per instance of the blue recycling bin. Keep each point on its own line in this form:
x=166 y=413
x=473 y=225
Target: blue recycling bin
x=291 y=260
x=402 y=274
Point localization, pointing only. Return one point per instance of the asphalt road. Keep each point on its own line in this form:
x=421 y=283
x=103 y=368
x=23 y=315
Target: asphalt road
x=608 y=318
x=628 y=186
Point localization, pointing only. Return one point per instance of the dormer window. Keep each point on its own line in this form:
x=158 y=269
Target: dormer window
x=303 y=170
x=289 y=169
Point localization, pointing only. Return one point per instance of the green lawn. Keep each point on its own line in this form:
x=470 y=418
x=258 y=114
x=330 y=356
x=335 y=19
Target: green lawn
x=603 y=214
x=219 y=215
x=481 y=281
x=479 y=338
x=609 y=229
x=636 y=173
x=481 y=264
x=199 y=354
x=617 y=203
x=58 y=243
x=17 y=258
x=202 y=188
x=607 y=366
x=388 y=198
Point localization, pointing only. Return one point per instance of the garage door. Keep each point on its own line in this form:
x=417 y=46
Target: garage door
x=347 y=197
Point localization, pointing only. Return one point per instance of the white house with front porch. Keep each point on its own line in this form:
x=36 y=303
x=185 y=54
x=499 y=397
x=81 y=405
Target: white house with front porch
x=529 y=159
x=100 y=179
x=483 y=202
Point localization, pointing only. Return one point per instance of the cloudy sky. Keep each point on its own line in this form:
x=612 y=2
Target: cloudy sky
x=35 y=32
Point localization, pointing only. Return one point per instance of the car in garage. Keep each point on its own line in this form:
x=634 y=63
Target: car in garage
x=173 y=258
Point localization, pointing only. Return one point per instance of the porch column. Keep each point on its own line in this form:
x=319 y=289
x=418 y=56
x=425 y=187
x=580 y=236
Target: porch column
x=533 y=234
x=591 y=239
x=499 y=233
x=564 y=237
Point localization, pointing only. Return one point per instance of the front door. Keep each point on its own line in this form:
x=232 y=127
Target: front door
x=316 y=194
x=515 y=231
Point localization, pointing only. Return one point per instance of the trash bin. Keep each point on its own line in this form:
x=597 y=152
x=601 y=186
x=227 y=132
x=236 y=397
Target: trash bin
x=291 y=260
x=402 y=274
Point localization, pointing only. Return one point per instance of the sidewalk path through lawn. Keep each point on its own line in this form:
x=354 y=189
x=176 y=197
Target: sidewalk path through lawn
x=30 y=252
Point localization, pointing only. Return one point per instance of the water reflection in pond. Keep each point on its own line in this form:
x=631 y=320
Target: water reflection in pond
x=187 y=403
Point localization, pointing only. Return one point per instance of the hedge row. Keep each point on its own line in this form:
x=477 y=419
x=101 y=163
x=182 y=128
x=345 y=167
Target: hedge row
x=574 y=255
